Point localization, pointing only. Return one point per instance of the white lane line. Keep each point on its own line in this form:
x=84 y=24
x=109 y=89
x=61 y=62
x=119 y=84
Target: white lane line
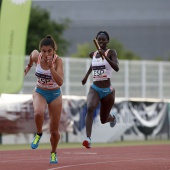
x=80 y=153
x=95 y=163
x=25 y=160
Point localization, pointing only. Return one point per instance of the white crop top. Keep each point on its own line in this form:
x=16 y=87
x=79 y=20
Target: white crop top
x=101 y=68
x=44 y=77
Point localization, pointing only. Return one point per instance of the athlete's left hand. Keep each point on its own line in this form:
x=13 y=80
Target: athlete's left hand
x=102 y=53
x=49 y=61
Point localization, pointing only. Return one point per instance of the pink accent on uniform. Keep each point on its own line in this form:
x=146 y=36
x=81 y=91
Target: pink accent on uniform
x=44 y=83
x=97 y=62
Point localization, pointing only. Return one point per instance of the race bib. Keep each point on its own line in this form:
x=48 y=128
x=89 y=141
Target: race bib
x=99 y=73
x=44 y=79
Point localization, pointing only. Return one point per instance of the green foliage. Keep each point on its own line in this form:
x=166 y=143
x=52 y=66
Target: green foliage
x=158 y=58
x=40 y=25
x=84 y=50
x=168 y=57
x=121 y=51
x=0 y=4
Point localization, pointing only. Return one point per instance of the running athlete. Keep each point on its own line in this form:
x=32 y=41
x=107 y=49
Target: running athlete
x=103 y=62
x=49 y=73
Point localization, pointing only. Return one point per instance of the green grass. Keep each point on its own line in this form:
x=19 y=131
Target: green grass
x=78 y=145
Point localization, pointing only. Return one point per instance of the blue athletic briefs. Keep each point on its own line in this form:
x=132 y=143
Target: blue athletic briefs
x=49 y=95
x=103 y=92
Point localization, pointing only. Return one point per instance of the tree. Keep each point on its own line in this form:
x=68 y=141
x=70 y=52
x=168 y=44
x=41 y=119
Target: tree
x=122 y=52
x=41 y=25
x=84 y=49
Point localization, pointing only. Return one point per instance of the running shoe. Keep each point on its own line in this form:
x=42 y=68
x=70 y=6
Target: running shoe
x=113 y=123
x=35 y=141
x=53 y=158
x=87 y=143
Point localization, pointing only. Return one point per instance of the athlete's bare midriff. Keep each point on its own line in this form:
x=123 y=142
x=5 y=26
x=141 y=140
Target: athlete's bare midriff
x=47 y=88
x=102 y=84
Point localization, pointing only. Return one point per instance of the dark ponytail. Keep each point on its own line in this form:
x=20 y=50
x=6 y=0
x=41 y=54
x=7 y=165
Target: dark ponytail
x=48 y=41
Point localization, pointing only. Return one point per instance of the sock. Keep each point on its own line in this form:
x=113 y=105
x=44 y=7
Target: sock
x=39 y=134
x=89 y=138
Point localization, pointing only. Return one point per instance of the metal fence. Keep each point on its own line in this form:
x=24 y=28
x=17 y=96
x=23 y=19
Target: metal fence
x=135 y=79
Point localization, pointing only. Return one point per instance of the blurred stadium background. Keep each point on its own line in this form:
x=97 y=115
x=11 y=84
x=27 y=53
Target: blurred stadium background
x=142 y=26
x=142 y=87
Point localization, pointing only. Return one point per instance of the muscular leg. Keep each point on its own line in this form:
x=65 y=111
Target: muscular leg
x=55 y=108
x=106 y=106
x=40 y=105
x=92 y=102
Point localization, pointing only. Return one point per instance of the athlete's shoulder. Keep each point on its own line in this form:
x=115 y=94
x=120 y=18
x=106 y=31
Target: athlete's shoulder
x=91 y=54
x=58 y=59
x=34 y=55
x=113 y=51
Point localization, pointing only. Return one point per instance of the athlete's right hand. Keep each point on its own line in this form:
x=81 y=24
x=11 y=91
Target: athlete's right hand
x=27 y=69
x=84 y=81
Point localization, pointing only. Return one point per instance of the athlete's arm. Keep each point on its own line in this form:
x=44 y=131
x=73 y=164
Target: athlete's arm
x=88 y=72
x=57 y=72
x=112 y=59
x=33 y=58
x=86 y=76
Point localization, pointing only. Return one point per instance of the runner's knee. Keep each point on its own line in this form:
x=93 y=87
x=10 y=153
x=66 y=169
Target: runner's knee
x=38 y=111
x=55 y=134
x=38 y=115
x=90 y=109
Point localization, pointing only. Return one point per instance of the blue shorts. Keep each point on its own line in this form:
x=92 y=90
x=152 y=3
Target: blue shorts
x=103 y=92
x=49 y=95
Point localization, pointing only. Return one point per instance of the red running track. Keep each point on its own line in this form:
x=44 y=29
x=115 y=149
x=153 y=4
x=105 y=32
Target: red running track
x=155 y=157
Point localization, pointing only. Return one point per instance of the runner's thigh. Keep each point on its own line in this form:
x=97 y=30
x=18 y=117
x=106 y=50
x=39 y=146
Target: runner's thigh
x=106 y=106
x=92 y=98
x=55 y=108
x=39 y=103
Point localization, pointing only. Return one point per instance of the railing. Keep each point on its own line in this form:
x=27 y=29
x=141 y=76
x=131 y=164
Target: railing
x=135 y=79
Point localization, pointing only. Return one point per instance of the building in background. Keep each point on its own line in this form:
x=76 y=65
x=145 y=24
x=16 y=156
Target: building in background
x=141 y=26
